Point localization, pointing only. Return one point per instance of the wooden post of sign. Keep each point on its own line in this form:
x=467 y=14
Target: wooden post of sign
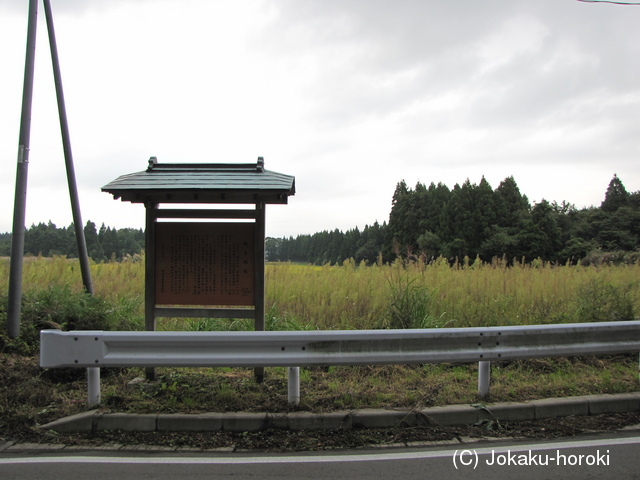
x=258 y=293
x=150 y=276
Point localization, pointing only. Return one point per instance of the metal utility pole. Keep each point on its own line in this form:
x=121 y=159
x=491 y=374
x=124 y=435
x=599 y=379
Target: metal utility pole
x=17 y=239
x=68 y=156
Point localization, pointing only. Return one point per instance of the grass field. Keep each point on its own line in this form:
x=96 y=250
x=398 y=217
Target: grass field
x=349 y=296
x=399 y=295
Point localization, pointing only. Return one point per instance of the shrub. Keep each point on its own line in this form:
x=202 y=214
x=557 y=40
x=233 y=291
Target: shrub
x=601 y=301
x=59 y=307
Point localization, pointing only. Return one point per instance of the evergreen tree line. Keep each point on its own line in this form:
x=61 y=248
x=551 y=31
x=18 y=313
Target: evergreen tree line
x=102 y=244
x=470 y=220
x=330 y=247
x=475 y=220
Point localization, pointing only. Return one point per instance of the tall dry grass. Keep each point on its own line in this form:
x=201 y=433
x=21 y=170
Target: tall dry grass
x=462 y=295
x=397 y=295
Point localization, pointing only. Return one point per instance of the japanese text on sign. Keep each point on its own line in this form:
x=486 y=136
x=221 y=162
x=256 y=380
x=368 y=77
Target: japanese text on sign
x=205 y=263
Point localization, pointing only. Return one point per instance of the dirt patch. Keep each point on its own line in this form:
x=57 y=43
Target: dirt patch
x=275 y=440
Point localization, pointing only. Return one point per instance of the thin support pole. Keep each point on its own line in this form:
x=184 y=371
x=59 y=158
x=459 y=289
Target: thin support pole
x=260 y=232
x=259 y=277
x=93 y=386
x=294 y=385
x=484 y=374
x=17 y=240
x=68 y=155
x=150 y=276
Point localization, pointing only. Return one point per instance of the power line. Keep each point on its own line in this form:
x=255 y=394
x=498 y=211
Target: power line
x=609 y=1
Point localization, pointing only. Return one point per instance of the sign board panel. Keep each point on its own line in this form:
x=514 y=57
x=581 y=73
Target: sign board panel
x=210 y=264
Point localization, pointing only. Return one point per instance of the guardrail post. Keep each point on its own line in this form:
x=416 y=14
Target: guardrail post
x=93 y=386
x=294 y=385
x=484 y=374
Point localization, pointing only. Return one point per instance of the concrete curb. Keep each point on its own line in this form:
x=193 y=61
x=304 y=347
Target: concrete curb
x=445 y=415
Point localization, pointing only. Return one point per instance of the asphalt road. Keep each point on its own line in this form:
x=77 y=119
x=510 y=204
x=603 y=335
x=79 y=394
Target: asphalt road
x=611 y=456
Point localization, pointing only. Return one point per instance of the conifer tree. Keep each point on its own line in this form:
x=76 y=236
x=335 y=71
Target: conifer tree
x=615 y=197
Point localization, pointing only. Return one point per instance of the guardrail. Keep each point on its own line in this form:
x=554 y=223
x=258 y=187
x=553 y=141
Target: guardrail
x=294 y=349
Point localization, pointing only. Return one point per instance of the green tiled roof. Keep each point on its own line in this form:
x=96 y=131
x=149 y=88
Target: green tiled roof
x=203 y=183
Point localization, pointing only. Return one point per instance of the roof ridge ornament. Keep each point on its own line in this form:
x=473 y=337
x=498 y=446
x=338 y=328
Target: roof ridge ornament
x=152 y=162
x=260 y=167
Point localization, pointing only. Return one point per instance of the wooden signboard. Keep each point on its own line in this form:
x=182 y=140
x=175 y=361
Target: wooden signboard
x=208 y=264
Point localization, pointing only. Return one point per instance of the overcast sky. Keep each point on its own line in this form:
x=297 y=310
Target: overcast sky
x=348 y=96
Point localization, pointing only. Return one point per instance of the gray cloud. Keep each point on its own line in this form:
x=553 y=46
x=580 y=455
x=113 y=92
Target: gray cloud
x=332 y=90
x=64 y=7
x=376 y=57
